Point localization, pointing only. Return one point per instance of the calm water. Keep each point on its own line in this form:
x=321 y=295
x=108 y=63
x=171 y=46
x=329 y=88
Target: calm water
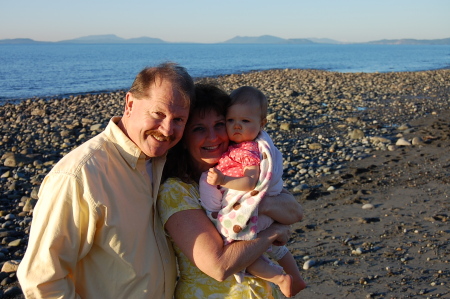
x=50 y=70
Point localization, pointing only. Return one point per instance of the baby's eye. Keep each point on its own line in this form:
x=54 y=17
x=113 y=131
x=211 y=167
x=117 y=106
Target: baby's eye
x=229 y=120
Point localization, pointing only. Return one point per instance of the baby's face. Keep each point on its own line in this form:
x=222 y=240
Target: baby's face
x=244 y=122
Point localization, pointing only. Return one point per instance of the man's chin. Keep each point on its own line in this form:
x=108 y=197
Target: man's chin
x=156 y=151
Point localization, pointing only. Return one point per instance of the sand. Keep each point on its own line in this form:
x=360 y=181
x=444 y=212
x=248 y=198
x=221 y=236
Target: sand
x=376 y=212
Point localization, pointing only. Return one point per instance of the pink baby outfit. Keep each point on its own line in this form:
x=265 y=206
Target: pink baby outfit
x=235 y=213
x=232 y=163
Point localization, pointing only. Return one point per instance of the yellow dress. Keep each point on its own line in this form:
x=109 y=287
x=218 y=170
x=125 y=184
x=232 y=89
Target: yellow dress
x=175 y=196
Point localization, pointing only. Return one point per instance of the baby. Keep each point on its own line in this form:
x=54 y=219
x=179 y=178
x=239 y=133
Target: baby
x=249 y=170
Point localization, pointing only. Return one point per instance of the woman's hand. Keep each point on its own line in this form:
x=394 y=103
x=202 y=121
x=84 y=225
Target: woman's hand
x=282 y=233
x=282 y=208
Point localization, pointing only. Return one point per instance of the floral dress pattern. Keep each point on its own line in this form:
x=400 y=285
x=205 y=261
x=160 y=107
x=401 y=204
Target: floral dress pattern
x=175 y=196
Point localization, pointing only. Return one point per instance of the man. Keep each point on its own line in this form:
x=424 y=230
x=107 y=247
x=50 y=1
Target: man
x=96 y=232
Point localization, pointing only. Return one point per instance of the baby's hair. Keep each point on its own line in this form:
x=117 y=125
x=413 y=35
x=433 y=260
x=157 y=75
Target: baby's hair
x=249 y=94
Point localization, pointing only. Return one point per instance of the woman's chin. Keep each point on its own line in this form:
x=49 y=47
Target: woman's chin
x=210 y=162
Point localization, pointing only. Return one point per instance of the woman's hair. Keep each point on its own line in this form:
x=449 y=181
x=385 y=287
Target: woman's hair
x=249 y=94
x=209 y=98
x=170 y=71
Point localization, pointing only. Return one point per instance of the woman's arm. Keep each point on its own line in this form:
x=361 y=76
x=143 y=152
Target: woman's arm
x=198 y=239
x=282 y=208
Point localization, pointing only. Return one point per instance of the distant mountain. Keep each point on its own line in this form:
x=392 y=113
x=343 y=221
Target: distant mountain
x=301 y=41
x=15 y=41
x=112 y=39
x=323 y=40
x=264 y=39
x=145 y=40
x=410 y=41
x=269 y=39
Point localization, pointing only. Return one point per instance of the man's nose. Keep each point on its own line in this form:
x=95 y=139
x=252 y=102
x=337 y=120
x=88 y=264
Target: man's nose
x=166 y=127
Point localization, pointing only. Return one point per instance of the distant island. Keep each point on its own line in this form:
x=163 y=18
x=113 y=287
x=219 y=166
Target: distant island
x=264 y=39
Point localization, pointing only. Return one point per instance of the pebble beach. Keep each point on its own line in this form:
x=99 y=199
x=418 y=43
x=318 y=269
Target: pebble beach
x=366 y=154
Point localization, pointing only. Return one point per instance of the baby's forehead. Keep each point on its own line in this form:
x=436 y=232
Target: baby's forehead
x=249 y=109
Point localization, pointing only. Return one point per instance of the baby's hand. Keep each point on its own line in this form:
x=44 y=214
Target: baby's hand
x=215 y=177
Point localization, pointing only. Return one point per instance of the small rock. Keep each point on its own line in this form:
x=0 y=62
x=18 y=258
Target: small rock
x=356 y=134
x=308 y=264
x=96 y=127
x=417 y=141
x=285 y=126
x=368 y=206
x=402 y=142
x=358 y=251
x=10 y=266
x=314 y=146
x=404 y=127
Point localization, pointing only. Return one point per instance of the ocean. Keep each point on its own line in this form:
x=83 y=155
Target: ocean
x=60 y=70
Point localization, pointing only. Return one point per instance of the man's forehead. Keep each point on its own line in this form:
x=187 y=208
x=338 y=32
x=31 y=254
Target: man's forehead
x=172 y=95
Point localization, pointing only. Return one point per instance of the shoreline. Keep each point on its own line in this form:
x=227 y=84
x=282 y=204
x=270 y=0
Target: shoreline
x=87 y=93
x=348 y=140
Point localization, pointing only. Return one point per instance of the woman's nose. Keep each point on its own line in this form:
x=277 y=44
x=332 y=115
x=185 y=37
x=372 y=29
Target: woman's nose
x=212 y=134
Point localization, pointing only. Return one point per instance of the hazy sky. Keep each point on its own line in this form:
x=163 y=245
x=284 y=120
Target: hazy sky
x=216 y=21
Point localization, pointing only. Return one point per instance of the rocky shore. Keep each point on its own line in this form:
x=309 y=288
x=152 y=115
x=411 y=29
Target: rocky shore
x=365 y=153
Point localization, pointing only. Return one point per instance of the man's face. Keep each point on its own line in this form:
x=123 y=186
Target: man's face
x=155 y=124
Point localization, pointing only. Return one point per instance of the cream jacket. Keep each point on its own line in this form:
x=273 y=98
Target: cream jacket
x=96 y=232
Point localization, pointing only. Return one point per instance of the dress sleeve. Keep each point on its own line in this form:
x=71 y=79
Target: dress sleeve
x=246 y=154
x=175 y=196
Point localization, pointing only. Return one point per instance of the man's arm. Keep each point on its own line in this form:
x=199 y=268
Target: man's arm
x=58 y=227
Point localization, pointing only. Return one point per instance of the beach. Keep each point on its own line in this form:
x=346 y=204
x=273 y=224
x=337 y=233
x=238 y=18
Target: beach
x=366 y=154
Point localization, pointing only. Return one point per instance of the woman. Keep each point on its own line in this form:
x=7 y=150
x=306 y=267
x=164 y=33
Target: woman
x=205 y=263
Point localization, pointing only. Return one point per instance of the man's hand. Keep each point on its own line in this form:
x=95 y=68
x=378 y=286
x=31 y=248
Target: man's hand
x=215 y=177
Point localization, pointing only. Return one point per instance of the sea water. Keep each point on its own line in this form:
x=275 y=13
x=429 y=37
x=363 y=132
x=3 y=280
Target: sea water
x=58 y=70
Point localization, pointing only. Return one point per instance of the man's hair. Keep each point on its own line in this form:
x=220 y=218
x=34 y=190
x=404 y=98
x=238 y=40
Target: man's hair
x=249 y=94
x=209 y=98
x=170 y=71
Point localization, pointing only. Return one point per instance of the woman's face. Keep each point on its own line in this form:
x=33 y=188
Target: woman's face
x=206 y=139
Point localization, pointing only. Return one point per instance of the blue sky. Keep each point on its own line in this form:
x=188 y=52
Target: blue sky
x=216 y=21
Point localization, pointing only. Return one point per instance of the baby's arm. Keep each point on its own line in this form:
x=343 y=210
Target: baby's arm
x=245 y=183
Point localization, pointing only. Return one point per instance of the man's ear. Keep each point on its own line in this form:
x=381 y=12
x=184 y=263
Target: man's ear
x=129 y=101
